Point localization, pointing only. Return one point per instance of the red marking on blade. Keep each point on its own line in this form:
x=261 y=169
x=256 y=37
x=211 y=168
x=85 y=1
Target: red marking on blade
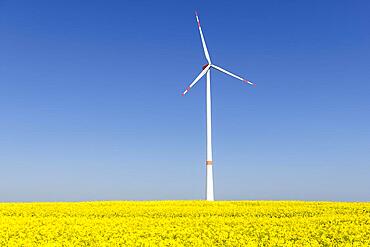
x=204 y=66
x=188 y=89
x=182 y=94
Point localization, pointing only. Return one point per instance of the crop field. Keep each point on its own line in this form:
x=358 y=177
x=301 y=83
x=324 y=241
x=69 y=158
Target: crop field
x=185 y=223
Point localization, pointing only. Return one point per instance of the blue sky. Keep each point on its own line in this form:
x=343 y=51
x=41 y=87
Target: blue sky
x=91 y=106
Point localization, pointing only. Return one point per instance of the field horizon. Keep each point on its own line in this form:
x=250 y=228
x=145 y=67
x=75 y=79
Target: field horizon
x=186 y=200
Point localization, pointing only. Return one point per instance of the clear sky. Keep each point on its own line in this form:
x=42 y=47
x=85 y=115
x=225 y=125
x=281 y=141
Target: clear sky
x=91 y=105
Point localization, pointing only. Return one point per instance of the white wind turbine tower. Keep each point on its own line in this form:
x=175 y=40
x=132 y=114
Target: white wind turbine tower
x=207 y=70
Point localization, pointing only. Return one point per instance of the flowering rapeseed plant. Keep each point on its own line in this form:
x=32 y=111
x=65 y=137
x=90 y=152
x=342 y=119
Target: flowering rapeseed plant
x=185 y=223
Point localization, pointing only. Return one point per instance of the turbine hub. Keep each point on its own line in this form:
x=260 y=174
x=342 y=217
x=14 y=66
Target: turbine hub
x=204 y=66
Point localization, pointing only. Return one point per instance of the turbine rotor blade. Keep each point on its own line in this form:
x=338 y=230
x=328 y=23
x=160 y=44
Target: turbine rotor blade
x=196 y=79
x=203 y=41
x=233 y=75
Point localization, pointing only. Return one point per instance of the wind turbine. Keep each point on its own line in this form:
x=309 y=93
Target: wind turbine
x=207 y=70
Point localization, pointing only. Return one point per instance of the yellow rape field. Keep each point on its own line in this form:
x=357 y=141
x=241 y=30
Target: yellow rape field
x=185 y=223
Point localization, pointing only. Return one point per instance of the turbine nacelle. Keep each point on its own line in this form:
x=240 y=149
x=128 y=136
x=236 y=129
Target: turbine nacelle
x=205 y=66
